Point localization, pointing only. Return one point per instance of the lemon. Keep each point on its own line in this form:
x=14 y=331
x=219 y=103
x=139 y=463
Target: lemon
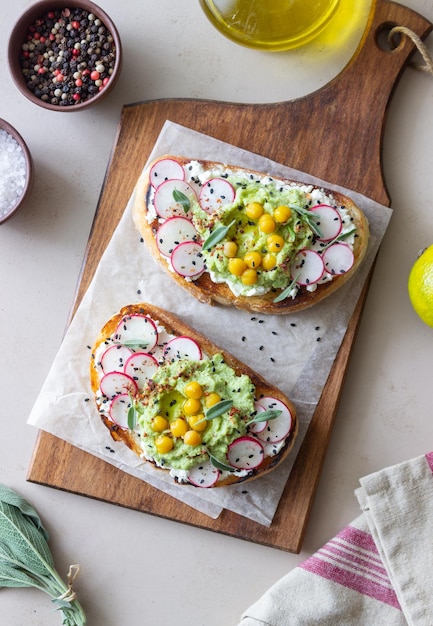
x=420 y=285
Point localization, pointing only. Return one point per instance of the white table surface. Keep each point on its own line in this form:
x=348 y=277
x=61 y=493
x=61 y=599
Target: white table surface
x=137 y=569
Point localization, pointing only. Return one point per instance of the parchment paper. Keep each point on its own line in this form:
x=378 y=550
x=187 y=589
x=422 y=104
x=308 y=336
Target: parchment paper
x=294 y=352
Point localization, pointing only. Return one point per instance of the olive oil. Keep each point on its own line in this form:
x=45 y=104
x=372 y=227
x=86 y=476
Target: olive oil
x=274 y=24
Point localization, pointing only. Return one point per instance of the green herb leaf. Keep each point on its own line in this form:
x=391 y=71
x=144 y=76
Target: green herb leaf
x=340 y=237
x=180 y=197
x=219 y=464
x=265 y=416
x=306 y=214
x=217 y=236
x=218 y=409
x=134 y=344
x=132 y=417
x=286 y=292
x=25 y=557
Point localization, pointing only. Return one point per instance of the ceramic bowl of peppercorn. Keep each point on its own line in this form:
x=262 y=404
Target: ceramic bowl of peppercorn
x=65 y=55
x=16 y=171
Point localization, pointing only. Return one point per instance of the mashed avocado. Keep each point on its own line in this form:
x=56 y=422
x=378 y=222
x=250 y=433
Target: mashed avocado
x=166 y=397
x=248 y=237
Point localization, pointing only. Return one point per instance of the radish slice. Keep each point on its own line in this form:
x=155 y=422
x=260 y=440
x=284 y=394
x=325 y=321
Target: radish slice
x=215 y=193
x=165 y=204
x=114 y=358
x=138 y=331
x=165 y=169
x=119 y=408
x=173 y=232
x=182 y=348
x=116 y=383
x=279 y=428
x=307 y=267
x=187 y=259
x=258 y=427
x=141 y=366
x=245 y=453
x=338 y=258
x=204 y=475
x=328 y=221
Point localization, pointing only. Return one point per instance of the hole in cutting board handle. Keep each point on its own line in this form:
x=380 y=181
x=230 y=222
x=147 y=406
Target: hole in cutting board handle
x=382 y=37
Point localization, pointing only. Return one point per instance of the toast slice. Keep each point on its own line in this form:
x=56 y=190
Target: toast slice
x=246 y=239
x=184 y=404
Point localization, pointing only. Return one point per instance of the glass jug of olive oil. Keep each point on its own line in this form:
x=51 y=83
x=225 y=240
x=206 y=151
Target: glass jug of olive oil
x=270 y=24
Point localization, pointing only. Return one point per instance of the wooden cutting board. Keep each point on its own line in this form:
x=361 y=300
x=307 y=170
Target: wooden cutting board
x=335 y=134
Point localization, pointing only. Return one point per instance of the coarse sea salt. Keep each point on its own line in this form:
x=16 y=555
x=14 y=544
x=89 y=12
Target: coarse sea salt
x=13 y=172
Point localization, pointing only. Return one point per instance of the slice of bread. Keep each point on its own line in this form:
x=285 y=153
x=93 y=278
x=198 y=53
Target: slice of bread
x=143 y=363
x=316 y=245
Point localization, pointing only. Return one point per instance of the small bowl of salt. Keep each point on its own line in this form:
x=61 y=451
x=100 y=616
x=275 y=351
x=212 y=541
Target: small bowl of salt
x=16 y=171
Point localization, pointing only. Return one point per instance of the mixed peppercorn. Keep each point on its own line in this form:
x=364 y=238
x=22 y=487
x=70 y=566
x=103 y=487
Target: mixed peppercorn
x=68 y=56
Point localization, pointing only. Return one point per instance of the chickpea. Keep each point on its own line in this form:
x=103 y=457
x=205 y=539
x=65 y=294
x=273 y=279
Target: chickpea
x=192 y=406
x=159 y=423
x=253 y=259
x=267 y=223
x=274 y=243
x=249 y=277
x=254 y=210
x=236 y=266
x=193 y=390
x=164 y=444
x=282 y=213
x=192 y=438
x=178 y=427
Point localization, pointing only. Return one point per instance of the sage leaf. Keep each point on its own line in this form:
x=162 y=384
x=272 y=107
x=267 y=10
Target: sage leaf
x=183 y=200
x=132 y=417
x=286 y=292
x=217 y=236
x=218 y=409
x=265 y=416
x=219 y=464
x=26 y=559
x=215 y=411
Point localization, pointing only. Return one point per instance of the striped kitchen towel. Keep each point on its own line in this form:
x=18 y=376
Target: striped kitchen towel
x=375 y=572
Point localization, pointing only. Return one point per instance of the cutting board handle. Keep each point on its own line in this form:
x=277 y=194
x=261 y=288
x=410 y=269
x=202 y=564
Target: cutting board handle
x=353 y=106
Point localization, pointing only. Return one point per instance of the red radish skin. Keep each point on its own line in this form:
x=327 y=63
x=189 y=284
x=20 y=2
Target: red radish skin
x=115 y=383
x=187 y=259
x=204 y=475
x=165 y=204
x=327 y=220
x=258 y=427
x=141 y=366
x=215 y=193
x=165 y=169
x=182 y=347
x=119 y=408
x=245 y=453
x=338 y=259
x=172 y=232
x=307 y=267
x=279 y=428
x=114 y=358
x=137 y=328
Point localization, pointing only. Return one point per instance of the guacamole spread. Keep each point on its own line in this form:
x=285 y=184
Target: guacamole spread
x=166 y=398
x=264 y=243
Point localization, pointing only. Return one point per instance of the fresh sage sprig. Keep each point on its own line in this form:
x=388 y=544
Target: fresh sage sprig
x=216 y=410
x=306 y=214
x=265 y=416
x=183 y=200
x=132 y=415
x=26 y=559
x=217 y=236
x=219 y=464
x=286 y=292
x=338 y=238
